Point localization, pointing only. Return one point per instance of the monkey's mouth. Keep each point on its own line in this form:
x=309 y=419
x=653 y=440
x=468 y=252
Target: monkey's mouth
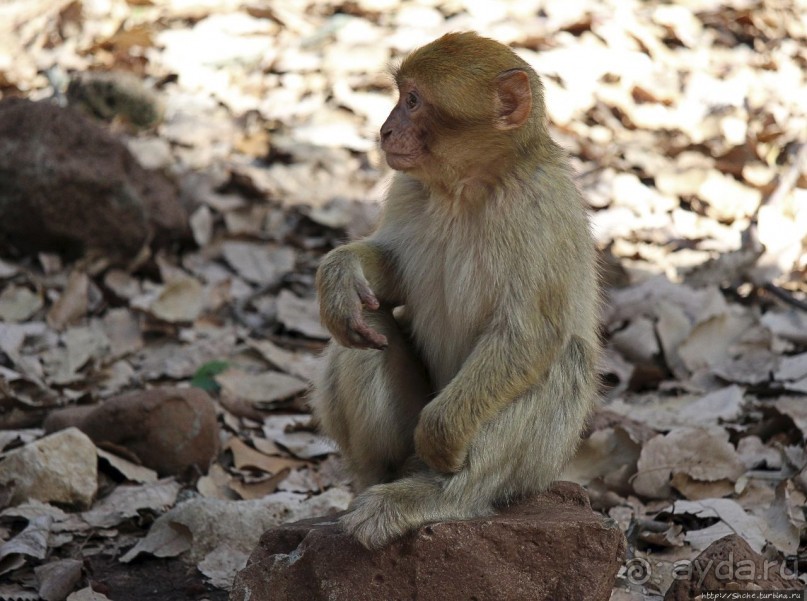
x=402 y=161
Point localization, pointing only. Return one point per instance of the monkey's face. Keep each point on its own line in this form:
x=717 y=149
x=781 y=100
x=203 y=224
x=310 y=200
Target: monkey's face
x=464 y=113
x=402 y=135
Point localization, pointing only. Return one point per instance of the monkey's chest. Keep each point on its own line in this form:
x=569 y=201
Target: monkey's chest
x=449 y=299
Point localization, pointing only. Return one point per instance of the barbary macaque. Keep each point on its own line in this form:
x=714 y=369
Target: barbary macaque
x=465 y=328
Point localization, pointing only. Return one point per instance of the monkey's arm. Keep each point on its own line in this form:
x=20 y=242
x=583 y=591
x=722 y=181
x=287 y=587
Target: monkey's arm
x=514 y=352
x=357 y=276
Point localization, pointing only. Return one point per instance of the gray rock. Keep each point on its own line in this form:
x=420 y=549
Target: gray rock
x=60 y=468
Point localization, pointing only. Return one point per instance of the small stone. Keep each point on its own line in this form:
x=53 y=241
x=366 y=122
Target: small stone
x=549 y=547
x=170 y=430
x=60 y=468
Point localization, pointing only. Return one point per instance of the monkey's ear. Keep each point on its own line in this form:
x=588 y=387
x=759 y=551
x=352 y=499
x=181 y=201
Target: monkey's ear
x=513 y=99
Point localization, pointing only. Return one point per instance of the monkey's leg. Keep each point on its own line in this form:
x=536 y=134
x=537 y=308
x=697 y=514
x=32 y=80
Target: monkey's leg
x=368 y=401
x=520 y=452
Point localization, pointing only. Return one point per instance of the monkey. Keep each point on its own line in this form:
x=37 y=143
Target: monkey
x=465 y=327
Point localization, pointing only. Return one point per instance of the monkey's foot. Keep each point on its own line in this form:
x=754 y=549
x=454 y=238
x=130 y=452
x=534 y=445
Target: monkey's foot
x=375 y=518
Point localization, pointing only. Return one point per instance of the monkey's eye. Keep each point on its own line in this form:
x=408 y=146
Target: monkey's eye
x=412 y=100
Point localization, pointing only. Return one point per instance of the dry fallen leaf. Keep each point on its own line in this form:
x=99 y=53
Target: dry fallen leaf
x=31 y=542
x=710 y=341
x=790 y=325
x=200 y=525
x=80 y=345
x=130 y=471
x=170 y=541
x=216 y=484
x=724 y=404
x=202 y=225
x=754 y=453
x=263 y=390
x=222 y=564
x=181 y=300
x=300 y=315
x=87 y=594
x=609 y=454
x=703 y=454
x=637 y=342
x=245 y=457
x=728 y=199
x=794 y=407
x=18 y=303
x=128 y=500
x=284 y=430
x=122 y=284
x=123 y=332
x=303 y=365
x=792 y=368
x=259 y=263
x=783 y=522
x=259 y=488
x=733 y=520
x=73 y=302
x=302 y=480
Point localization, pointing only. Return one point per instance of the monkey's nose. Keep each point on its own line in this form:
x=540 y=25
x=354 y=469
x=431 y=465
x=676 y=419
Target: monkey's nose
x=386 y=132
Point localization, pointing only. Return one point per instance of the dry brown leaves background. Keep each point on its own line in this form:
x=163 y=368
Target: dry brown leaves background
x=687 y=125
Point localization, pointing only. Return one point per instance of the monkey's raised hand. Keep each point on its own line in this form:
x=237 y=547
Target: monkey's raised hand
x=345 y=294
x=342 y=305
x=440 y=441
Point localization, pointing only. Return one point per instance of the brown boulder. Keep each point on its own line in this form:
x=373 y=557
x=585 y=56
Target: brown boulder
x=550 y=547
x=67 y=185
x=730 y=564
x=170 y=430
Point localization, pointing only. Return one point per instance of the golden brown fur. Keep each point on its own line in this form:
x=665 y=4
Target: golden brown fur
x=475 y=392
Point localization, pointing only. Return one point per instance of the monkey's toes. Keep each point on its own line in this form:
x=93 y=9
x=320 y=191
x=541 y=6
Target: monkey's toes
x=372 y=520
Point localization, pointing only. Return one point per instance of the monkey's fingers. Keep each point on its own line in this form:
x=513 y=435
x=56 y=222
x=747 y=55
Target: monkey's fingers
x=368 y=335
x=367 y=297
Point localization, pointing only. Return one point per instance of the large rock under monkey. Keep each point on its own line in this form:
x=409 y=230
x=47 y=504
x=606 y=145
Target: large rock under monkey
x=548 y=548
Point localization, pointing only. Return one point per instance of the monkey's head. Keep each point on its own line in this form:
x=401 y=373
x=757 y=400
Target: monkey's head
x=468 y=109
